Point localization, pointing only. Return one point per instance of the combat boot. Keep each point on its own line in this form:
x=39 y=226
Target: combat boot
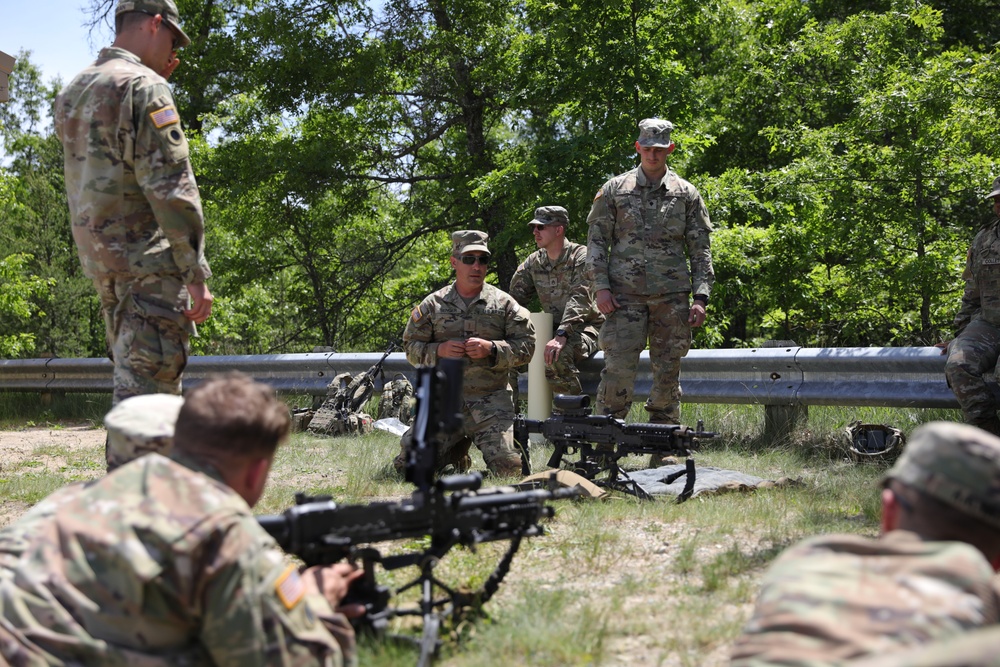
x=670 y=416
x=506 y=467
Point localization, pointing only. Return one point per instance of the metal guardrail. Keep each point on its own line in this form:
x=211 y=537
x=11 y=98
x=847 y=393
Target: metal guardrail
x=776 y=376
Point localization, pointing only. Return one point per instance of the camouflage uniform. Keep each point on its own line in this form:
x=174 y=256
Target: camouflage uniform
x=488 y=409
x=641 y=239
x=136 y=214
x=976 y=347
x=978 y=648
x=563 y=288
x=836 y=597
x=158 y=563
x=141 y=425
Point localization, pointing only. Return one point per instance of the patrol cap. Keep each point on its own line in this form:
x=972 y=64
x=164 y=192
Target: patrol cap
x=469 y=240
x=165 y=8
x=655 y=133
x=550 y=215
x=141 y=425
x=996 y=189
x=957 y=464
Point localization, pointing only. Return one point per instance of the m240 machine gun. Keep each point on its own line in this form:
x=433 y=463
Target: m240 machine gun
x=602 y=441
x=450 y=511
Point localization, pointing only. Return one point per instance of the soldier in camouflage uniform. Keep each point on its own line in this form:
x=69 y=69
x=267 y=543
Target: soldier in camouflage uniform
x=646 y=226
x=928 y=577
x=976 y=346
x=134 y=204
x=473 y=320
x=162 y=561
x=557 y=274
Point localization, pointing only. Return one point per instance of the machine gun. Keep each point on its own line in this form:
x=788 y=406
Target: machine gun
x=450 y=511
x=602 y=441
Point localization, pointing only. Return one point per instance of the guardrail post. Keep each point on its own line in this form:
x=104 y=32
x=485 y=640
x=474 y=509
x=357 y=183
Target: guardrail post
x=780 y=421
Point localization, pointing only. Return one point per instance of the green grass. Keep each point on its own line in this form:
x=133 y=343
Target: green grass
x=617 y=581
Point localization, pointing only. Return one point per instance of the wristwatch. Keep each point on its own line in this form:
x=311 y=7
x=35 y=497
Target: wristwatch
x=562 y=333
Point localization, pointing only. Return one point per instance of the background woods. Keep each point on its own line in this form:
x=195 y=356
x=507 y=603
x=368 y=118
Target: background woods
x=843 y=149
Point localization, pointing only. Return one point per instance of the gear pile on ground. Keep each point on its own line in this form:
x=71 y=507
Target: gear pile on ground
x=340 y=413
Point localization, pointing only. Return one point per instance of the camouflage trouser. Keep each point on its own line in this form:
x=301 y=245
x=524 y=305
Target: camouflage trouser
x=971 y=355
x=147 y=334
x=623 y=336
x=563 y=375
x=489 y=423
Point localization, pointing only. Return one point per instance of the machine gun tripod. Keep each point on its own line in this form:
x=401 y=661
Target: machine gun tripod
x=601 y=441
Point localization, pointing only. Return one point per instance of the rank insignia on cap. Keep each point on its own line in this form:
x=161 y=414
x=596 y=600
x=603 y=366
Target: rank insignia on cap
x=289 y=587
x=165 y=116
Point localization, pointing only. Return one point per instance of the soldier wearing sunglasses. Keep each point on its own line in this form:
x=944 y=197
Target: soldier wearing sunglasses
x=473 y=320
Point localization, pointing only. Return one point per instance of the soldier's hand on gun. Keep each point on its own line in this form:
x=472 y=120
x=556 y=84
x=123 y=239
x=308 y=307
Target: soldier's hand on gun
x=552 y=350
x=202 y=306
x=696 y=315
x=451 y=349
x=606 y=301
x=332 y=582
x=478 y=348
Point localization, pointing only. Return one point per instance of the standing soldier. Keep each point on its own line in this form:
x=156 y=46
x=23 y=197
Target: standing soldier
x=473 y=320
x=557 y=273
x=976 y=346
x=133 y=200
x=646 y=226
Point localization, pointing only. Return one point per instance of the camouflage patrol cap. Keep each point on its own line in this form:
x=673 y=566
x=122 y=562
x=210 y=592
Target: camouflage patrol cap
x=469 y=240
x=655 y=133
x=550 y=215
x=165 y=8
x=140 y=425
x=996 y=189
x=957 y=464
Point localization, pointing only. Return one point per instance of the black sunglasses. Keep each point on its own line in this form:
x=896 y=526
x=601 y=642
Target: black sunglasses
x=471 y=259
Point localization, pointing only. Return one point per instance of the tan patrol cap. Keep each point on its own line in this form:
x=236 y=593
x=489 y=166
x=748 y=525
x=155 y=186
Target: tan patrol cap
x=165 y=8
x=655 y=133
x=550 y=215
x=141 y=425
x=958 y=464
x=996 y=189
x=469 y=240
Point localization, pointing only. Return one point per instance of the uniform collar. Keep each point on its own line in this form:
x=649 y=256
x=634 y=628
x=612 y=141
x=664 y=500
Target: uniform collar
x=110 y=52
x=642 y=181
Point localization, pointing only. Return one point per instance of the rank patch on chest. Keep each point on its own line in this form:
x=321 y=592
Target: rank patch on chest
x=164 y=117
x=289 y=587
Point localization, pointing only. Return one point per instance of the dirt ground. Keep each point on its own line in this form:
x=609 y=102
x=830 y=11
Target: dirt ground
x=18 y=448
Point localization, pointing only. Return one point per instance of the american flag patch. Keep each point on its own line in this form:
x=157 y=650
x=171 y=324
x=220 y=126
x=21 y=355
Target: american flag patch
x=290 y=587
x=417 y=314
x=600 y=193
x=165 y=116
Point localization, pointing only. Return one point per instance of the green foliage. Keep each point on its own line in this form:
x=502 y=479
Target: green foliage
x=842 y=149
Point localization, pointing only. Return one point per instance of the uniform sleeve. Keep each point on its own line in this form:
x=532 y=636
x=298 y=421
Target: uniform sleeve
x=971 y=301
x=257 y=610
x=522 y=285
x=418 y=336
x=580 y=305
x=164 y=173
x=601 y=225
x=519 y=342
x=697 y=231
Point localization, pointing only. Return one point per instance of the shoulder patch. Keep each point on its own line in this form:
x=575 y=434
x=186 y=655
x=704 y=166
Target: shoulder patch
x=600 y=193
x=165 y=116
x=417 y=314
x=289 y=587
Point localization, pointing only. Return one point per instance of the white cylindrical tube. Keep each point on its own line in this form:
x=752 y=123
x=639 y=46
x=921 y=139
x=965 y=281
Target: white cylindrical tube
x=539 y=392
